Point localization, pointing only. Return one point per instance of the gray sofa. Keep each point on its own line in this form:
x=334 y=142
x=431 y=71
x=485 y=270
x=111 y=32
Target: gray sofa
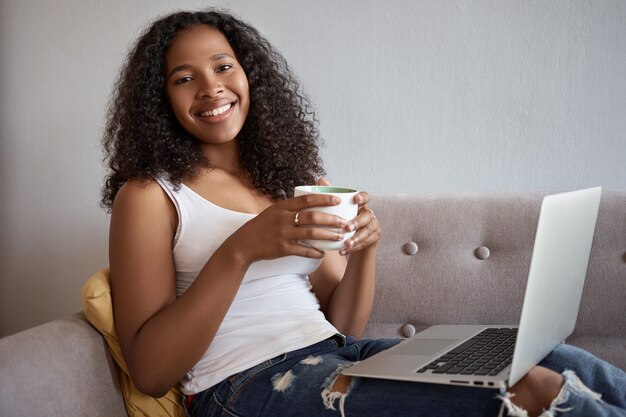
x=443 y=259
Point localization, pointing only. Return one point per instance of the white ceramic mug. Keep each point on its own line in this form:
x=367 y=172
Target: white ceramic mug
x=347 y=209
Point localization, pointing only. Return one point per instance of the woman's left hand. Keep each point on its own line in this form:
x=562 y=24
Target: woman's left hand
x=366 y=225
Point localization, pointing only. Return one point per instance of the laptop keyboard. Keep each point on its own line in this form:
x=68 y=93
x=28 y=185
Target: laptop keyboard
x=487 y=353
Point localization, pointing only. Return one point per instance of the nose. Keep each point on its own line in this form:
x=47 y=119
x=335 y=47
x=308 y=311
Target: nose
x=210 y=86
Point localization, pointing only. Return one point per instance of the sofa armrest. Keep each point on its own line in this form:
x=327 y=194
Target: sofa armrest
x=61 y=368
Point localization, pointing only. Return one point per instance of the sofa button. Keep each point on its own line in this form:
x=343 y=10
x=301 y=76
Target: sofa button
x=408 y=330
x=410 y=248
x=482 y=252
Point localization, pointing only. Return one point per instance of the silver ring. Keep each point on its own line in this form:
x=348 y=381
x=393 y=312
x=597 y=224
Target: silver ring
x=296 y=219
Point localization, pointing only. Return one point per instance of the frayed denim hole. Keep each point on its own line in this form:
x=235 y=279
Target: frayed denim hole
x=330 y=395
x=571 y=385
x=511 y=409
x=312 y=360
x=281 y=382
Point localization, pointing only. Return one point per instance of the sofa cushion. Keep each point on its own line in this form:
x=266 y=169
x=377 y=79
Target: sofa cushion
x=98 y=309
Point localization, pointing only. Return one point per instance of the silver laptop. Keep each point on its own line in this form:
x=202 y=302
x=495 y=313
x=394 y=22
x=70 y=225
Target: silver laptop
x=453 y=354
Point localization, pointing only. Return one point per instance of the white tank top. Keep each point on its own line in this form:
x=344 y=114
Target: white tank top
x=274 y=310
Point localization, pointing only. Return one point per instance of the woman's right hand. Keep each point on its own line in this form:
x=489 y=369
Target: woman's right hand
x=277 y=230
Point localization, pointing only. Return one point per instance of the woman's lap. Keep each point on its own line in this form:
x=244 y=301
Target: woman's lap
x=301 y=384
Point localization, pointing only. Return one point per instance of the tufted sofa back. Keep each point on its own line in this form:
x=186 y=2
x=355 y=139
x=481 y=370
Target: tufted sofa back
x=464 y=259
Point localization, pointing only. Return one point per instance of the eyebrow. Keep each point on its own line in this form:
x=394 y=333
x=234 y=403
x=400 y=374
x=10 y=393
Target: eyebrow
x=215 y=57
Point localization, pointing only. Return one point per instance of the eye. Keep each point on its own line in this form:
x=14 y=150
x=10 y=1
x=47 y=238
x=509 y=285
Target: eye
x=183 y=80
x=223 y=67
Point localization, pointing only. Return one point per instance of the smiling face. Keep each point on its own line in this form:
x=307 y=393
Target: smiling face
x=206 y=86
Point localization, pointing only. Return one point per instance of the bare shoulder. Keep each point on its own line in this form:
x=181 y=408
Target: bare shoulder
x=137 y=191
x=144 y=199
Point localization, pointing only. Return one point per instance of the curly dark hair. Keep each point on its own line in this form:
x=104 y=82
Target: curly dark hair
x=278 y=143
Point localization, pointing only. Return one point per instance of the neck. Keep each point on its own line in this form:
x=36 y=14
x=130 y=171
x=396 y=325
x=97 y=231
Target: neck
x=224 y=156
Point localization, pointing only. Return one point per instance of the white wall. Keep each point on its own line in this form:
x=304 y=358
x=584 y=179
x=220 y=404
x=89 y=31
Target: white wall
x=413 y=96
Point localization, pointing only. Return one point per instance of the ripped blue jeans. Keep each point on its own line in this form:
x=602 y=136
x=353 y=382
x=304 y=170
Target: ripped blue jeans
x=301 y=383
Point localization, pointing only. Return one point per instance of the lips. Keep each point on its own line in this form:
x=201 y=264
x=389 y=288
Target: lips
x=215 y=111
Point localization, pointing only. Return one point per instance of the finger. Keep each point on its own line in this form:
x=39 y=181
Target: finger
x=320 y=233
x=361 y=237
x=361 y=240
x=313 y=217
x=367 y=230
x=362 y=198
x=364 y=216
x=313 y=225
x=323 y=181
x=298 y=249
x=309 y=200
x=351 y=245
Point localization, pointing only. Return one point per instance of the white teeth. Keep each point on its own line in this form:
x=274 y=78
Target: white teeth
x=216 y=112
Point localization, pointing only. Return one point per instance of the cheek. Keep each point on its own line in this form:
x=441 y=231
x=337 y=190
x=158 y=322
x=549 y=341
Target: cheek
x=178 y=108
x=244 y=95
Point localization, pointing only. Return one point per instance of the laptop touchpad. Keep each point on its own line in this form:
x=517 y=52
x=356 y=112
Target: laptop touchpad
x=423 y=346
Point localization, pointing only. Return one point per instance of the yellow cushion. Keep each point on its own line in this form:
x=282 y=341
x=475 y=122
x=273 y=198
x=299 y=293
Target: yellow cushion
x=98 y=309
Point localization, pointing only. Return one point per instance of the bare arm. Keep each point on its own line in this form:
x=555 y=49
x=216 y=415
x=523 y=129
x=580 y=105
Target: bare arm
x=347 y=301
x=154 y=327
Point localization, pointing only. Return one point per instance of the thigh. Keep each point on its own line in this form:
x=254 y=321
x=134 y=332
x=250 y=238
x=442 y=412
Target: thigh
x=303 y=386
x=377 y=397
x=292 y=387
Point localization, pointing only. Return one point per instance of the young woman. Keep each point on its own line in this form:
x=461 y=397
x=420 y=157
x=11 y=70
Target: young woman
x=207 y=135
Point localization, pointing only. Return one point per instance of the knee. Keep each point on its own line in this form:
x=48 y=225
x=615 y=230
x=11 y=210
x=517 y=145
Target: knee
x=536 y=391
